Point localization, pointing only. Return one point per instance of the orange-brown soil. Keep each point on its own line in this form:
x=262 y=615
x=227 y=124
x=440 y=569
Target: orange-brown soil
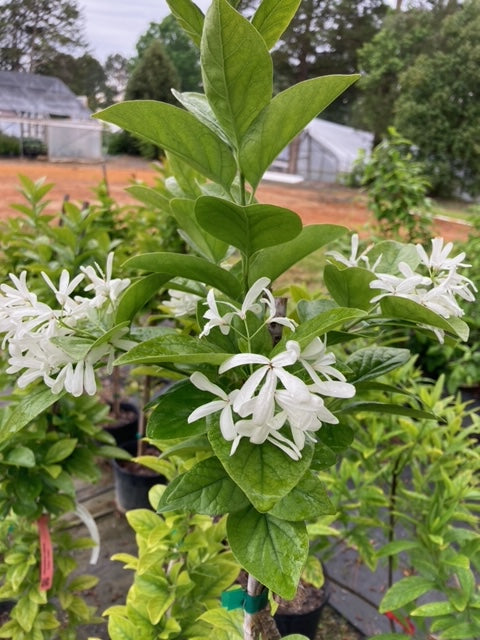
x=315 y=203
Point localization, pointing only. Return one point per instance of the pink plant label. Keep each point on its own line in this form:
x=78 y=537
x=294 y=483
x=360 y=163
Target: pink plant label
x=46 y=554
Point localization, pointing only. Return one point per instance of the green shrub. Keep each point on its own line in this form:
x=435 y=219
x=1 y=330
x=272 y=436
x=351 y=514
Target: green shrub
x=9 y=146
x=33 y=147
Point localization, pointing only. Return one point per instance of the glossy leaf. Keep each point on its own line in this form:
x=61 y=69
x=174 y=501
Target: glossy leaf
x=249 y=228
x=20 y=457
x=373 y=362
x=322 y=324
x=199 y=106
x=404 y=591
x=274 y=261
x=391 y=409
x=236 y=69
x=205 y=489
x=283 y=119
x=173 y=348
x=306 y=501
x=336 y=437
x=184 y=266
x=401 y=308
x=189 y=17
x=149 y=197
x=168 y=419
x=27 y=410
x=272 y=18
x=178 y=131
x=203 y=243
x=136 y=296
x=350 y=287
x=274 y=551
x=263 y=472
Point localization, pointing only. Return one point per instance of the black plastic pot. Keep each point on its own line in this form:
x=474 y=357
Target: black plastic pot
x=305 y=624
x=131 y=487
x=124 y=430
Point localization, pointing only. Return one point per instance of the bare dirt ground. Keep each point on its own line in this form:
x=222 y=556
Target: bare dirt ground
x=315 y=203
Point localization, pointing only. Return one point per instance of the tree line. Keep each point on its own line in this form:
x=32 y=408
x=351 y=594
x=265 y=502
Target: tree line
x=418 y=60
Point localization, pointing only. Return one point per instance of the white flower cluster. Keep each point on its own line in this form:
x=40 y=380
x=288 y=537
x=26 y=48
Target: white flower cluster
x=437 y=288
x=33 y=330
x=273 y=397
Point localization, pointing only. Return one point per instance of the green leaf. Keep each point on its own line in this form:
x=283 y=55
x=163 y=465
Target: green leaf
x=336 y=437
x=75 y=347
x=373 y=362
x=306 y=501
x=199 y=106
x=321 y=324
x=434 y=609
x=121 y=628
x=323 y=457
x=206 y=489
x=263 y=472
x=25 y=612
x=178 y=265
x=143 y=521
x=189 y=17
x=203 y=243
x=229 y=621
x=274 y=551
x=60 y=450
x=20 y=457
x=349 y=287
x=236 y=69
x=168 y=419
x=283 y=119
x=138 y=294
x=394 y=548
x=404 y=591
x=174 y=348
x=396 y=307
x=461 y=631
x=273 y=261
x=272 y=18
x=29 y=408
x=249 y=228
x=177 y=131
x=149 y=196
x=384 y=407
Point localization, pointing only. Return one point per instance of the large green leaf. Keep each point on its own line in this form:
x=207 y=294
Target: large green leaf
x=273 y=261
x=402 y=308
x=272 y=18
x=178 y=131
x=174 y=348
x=263 y=472
x=236 y=69
x=306 y=501
x=373 y=362
x=189 y=17
x=206 y=489
x=199 y=106
x=349 y=287
x=20 y=457
x=190 y=267
x=405 y=591
x=27 y=410
x=149 y=196
x=136 y=296
x=168 y=419
x=322 y=324
x=283 y=119
x=274 y=551
x=203 y=243
x=247 y=228
x=337 y=437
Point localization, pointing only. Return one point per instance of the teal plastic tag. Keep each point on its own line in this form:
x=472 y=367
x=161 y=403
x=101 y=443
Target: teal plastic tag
x=239 y=599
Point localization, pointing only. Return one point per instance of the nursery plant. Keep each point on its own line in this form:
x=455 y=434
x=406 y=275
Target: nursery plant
x=261 y=392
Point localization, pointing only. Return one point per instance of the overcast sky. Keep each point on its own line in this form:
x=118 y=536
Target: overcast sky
x=114 y=26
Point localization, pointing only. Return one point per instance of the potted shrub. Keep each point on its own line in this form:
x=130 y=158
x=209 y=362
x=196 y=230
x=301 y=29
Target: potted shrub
x=265 y=392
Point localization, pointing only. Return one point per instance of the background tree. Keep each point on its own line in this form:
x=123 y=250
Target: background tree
x=439 y=107
x=151 y=79
x=32 y=32
x=85 y=76
x=116 y=72
x=180 y=49
x=404 y=36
